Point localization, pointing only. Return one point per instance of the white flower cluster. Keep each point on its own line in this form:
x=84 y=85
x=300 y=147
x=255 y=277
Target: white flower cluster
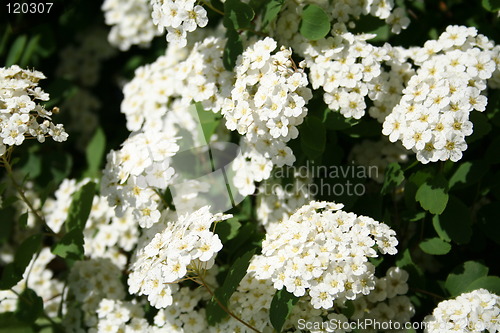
x=184 y=314
x=120 y=316
x=105 y=234
x=89 y=282
x=183 y=246
x=134 y=172
x=297 y=254
x=173 y=82
x=20 y=112
x=432 y=118
x=266 y=104
x=344 y=12
x=350 y=70
x=276 y=202
x=41 y=280
x=387 y=301
x=131 y=23
x=476 y=311
x=378 y=154
x=178 y=17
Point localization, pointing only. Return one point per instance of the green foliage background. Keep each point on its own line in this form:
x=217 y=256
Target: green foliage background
x=449 y=211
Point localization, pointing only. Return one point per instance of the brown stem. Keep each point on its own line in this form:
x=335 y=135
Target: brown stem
x=418 y=290
x=20 y=190
x=202 y=282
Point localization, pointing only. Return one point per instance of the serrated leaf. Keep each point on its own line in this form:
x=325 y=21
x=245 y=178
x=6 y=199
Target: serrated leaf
x=232 y=49
x=281 y=307
x=394 y=176
x=462 y=276
x=433 y=194
x=435 y=246
x=94 y=153
x=29 y=306
x=81 y=205
x=455 y=222
x=313 y=137
x=70 y=246
x=237 y=15
x=315 y=23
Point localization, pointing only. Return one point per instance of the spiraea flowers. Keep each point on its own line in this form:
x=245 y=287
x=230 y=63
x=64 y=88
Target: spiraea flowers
x=323 y=251
x=432 y=117
x=178 y=18
x=476 y=311
x=184 y=246
x=21 y=115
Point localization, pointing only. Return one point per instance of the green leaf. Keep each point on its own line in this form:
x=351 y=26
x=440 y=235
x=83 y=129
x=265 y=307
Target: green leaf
x=16 y=50
x=335 y=121
x=237 y=15
x=232 y=49
x=433 y=194
x=233 y=278
x=435 y=246
x=481 y=126
x=227 y=229
x=313 y=137
x=405 y=262
x=94 y=153
x=489 y=216
x=13 y=272
x=281 y=307
x=492 y=155
x=462 y=276
x=394 y=176
x=271 y=10
x=455 y=222
x=491 y=283
x=491 y=5
x=373 y=25
x=208 y=121
x=214 y=312
x=70 y=246
x=23 y=220
x=467 y=174
x=237 y=271
x=81 y=205
x=9 y=323
x=25 y=252
x=29 y=51
x=29 y=306
x=315 y=23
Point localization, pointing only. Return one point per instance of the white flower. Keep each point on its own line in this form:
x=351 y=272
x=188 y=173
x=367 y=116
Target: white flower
x=320 y=228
